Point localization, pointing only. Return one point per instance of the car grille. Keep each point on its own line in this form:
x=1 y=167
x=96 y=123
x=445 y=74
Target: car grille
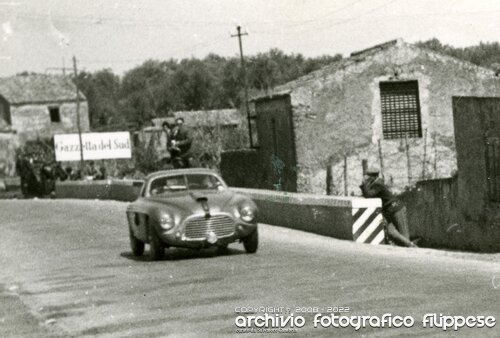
x=199 y=227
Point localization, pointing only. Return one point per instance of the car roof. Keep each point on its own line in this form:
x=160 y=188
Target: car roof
x=182 y=171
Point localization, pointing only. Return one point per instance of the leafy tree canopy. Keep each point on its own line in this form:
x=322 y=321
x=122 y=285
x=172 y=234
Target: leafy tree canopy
x=157 y=88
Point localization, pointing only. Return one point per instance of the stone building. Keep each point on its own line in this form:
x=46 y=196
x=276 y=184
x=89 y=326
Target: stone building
x=39 y=106
x=390 y=104
x=36 y=106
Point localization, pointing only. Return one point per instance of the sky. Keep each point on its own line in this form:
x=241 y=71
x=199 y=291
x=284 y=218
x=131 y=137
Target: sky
x=44 y=35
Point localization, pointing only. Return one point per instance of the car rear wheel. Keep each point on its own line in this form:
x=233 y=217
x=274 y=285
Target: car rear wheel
x=136 y=245
x=156 y=248
x=251 y=242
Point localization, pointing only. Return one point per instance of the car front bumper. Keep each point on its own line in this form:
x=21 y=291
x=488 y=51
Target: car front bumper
x=176 y=237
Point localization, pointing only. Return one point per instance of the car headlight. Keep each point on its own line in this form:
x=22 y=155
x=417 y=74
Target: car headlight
x=247 y=213
x=166 y=221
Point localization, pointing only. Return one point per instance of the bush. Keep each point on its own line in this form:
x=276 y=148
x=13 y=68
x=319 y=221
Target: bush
x=210 y=142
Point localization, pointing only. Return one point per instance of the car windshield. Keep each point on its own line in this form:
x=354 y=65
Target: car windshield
x=169 y=184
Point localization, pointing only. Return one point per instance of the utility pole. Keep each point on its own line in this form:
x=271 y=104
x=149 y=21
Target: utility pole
x=381 y=158
x=408 y=162
x=345 y=176
x=78 y=113
x=425 y=155
x=245 y=82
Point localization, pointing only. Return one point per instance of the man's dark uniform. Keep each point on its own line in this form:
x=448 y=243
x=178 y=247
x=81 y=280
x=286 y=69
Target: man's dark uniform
x=393 y=210
x=183 y=140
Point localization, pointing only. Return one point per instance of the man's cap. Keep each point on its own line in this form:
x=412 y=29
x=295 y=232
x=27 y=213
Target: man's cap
x=372 y=171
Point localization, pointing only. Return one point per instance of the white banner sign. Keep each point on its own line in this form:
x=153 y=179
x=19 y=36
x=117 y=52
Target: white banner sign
x=96 y=146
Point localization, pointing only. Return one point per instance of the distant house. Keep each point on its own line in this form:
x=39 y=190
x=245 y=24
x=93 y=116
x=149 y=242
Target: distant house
x=36 y=106
x=390 y=104
x=40 y=106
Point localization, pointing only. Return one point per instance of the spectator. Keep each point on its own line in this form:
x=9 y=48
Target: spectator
x=181 y=142
x=69 y=172
x=90 y=171
x=101 y=174
x=393 y=209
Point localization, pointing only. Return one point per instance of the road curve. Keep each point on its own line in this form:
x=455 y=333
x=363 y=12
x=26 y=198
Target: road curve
x=67 y=270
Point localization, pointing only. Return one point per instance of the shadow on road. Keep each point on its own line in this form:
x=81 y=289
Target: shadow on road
x=176 y=254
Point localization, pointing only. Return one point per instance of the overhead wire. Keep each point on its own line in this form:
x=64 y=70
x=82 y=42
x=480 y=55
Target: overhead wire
x=335 y=23
x=317 y=24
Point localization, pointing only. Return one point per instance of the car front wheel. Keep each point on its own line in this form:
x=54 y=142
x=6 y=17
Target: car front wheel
x=136 y=245
x=156 y=248
x=251 y=242
x=222 y=249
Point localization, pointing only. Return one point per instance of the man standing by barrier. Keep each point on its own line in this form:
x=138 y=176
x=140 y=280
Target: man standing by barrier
x=181 y=143
x=393 y=210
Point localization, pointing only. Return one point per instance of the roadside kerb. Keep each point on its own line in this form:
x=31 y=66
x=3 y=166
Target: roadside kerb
x=350 y=218
x=120 y=190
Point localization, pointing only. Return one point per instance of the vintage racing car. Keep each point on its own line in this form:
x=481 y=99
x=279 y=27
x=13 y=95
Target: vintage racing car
x=190 y=208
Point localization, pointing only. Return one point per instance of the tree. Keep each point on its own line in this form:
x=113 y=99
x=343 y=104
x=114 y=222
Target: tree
x=195 y=84
x=486 y=54
x=147 y=91
x=157 y=88
x=101 y=90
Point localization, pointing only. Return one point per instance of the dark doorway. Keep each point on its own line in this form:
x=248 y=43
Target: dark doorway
x=5 y=110
x=477 y=139
x=277 y=142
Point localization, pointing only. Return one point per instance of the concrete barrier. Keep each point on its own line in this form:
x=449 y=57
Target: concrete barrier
x=351 y=218
x=120 y=190
x=11 y=183
x=125 y=190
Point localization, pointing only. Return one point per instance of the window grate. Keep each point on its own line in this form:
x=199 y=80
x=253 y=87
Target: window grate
x=400 y=109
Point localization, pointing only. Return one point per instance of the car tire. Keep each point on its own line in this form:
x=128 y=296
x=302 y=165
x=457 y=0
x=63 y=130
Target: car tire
x=222 y=250
x=156 y=247
x=136 y=244
x=251 y=242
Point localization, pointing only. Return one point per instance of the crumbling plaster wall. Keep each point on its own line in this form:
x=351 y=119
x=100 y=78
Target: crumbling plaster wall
x=339 y=114
x=33 y=121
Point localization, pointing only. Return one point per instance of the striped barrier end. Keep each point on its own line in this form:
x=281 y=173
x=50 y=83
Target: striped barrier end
x=368 y=225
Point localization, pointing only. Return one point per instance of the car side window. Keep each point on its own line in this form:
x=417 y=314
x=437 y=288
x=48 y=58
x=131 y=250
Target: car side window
x=164 y=185
x=209 y=182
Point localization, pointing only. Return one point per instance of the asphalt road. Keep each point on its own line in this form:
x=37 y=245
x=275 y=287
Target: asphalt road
x=67 y=271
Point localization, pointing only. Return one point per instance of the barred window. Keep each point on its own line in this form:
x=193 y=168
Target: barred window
x=400 y=109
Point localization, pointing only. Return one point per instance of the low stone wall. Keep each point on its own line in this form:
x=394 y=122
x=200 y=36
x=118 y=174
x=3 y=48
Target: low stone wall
x=325 y=215
x=433 y=212
x=126 y=190
x=435 y=215
x=11 y=183
x=120 y=190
